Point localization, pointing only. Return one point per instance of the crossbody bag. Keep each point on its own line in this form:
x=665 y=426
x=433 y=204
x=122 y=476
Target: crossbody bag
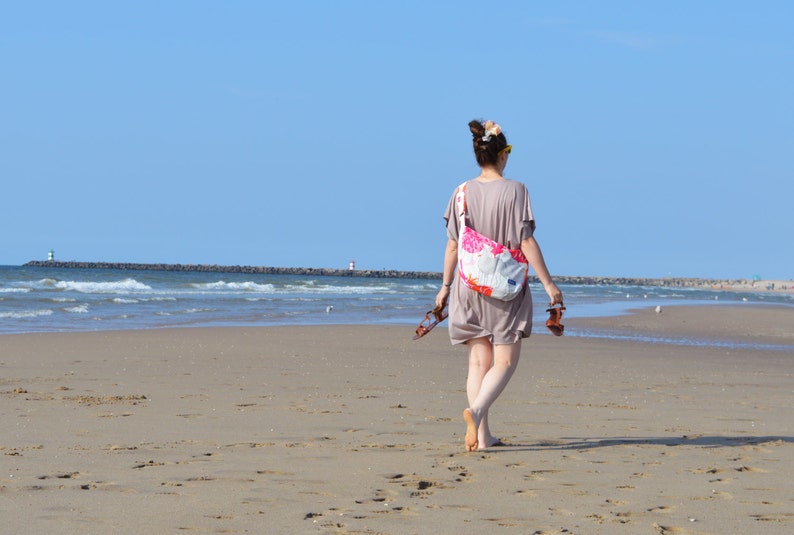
x=484 y=265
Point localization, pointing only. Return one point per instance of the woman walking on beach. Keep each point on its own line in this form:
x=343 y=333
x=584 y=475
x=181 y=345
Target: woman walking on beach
x=491 y=326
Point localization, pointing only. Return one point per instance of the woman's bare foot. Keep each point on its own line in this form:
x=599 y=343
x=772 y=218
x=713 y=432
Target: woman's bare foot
x=471 y=430
x=492 y=442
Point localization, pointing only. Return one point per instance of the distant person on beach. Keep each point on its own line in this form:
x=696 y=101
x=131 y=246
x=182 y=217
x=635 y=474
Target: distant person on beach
x=497 y=208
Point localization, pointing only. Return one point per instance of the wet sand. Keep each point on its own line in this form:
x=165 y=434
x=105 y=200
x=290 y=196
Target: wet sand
x=344 y=429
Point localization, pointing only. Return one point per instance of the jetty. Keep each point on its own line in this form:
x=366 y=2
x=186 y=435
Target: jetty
x=672 y=282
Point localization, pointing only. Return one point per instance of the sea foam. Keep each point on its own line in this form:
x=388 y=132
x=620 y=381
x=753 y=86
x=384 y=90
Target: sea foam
x=120 y=287
x=234 y=286
x=26 y=314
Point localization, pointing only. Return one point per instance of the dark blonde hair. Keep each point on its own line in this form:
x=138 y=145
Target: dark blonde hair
x=486 y=152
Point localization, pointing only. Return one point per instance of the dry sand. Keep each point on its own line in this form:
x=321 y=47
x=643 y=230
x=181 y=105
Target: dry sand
x=358 y=430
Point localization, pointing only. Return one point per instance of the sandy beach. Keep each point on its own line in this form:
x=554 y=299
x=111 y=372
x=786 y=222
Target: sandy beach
x=346 y=429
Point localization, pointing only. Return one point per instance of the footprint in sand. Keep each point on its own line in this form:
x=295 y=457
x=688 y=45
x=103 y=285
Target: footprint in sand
x=419 y=484
x=539 y=474
x=772 y=517
x=706 y=470
x=750 y=469
x=670 y=530
x=147 y=464
x=67 y=475
x=661 y=509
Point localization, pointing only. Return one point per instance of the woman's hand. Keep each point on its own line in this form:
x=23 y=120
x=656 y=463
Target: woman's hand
x=442 y=297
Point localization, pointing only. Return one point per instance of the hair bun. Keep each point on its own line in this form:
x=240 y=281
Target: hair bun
x=477 y=129
x=488 y=140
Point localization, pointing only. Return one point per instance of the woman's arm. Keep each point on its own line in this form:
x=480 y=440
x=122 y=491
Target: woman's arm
x=532 y=252
x=450 y=262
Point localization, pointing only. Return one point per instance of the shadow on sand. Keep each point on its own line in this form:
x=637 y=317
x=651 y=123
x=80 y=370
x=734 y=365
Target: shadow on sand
x=703 y=441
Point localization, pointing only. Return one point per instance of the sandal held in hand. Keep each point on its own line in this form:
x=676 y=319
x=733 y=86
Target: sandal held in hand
x=555 y=317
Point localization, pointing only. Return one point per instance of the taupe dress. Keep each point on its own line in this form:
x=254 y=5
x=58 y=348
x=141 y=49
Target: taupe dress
x=500 y=210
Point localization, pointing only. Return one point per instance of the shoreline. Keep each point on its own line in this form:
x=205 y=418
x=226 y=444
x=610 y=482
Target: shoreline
x=666 y=282
x=752 y=327
x=730 y=326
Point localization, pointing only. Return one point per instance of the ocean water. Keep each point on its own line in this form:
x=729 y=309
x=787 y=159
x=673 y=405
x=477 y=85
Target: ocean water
x=43 y=299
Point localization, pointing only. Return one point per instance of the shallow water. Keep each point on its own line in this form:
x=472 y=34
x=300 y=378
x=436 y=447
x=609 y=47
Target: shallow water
x=44 y=299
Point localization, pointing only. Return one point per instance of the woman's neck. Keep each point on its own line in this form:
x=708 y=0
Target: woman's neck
x=489 y=173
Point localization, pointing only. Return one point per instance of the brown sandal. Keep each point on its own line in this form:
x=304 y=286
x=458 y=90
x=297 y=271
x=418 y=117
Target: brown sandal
x=555 y=317
x=427 y=324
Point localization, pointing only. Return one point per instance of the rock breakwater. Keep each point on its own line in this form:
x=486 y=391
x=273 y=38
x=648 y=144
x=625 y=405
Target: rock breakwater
x=383 y=273
x=258 y=270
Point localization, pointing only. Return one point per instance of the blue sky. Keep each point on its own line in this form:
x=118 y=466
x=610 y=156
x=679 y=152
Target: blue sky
x=655 y=138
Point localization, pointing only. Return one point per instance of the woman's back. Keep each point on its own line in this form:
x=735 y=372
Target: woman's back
x=498 y=209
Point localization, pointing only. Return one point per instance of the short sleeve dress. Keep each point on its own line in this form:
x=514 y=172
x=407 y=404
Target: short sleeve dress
x=500 y=210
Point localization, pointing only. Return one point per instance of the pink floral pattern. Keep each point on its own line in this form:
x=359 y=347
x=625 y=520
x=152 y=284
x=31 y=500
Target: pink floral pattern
x=474 y=242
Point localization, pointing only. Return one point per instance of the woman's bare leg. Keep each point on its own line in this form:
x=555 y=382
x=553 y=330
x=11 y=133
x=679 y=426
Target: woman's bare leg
x=493 y=382
x=480 y=361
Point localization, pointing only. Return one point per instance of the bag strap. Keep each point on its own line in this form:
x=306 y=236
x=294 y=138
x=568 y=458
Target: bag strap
x=460 y=201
